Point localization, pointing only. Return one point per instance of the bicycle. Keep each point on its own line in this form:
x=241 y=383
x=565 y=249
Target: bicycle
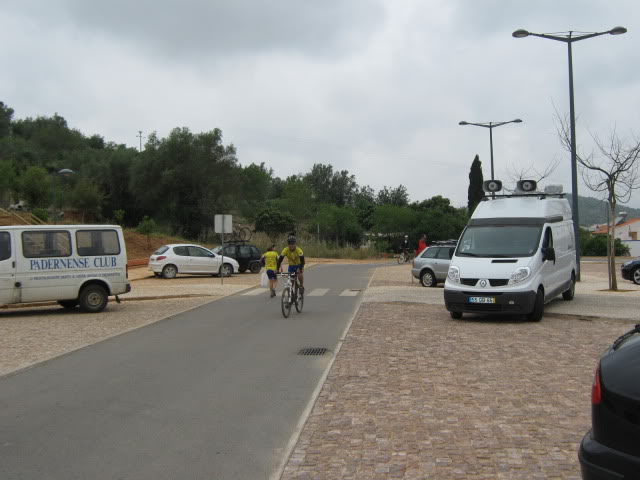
x=291 y=294
x=406 y=257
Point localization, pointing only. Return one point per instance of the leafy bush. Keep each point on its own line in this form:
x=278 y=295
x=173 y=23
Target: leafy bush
x=41 y=213
x=596 y=246
x=146 y=227
x=118 y=217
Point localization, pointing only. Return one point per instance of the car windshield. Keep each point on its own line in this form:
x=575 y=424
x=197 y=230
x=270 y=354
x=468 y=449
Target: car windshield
x=217 y=250
x=499 y=241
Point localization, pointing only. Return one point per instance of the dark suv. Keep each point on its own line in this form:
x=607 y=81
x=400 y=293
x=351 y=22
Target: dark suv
x=248 y=256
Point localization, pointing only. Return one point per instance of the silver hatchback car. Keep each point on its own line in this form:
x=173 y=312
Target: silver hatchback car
x=432 y=265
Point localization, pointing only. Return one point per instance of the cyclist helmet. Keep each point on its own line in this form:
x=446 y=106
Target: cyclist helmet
x=291 y=239
x=406 y=236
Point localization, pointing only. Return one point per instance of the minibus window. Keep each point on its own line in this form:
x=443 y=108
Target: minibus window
x=5 y=246
x=497 y=241
x=46 y=243
x=97 y=242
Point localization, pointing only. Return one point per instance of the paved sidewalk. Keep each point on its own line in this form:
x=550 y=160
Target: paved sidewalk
x=414 y=394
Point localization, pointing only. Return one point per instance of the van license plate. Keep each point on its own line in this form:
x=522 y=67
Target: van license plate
x=481 y=299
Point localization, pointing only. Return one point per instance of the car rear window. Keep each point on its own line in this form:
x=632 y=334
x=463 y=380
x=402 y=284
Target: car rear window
x=161 y=250
x=430 y=252
x=627 y=342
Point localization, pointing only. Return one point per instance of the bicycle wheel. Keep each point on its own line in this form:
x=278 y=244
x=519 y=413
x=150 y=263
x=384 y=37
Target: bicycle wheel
x=286 y=302
x=299 y=300
x=401 y=258
x=244 y=234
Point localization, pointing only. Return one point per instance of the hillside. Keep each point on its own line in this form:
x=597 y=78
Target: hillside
x=593 y=211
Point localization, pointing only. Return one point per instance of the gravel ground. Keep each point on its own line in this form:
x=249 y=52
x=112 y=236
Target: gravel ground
x=414 y=394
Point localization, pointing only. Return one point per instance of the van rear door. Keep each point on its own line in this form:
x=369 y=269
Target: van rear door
x=7 y=267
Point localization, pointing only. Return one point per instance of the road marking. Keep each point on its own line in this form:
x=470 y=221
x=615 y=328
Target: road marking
x=350 y=293
x=318 y=292
x=256 y=291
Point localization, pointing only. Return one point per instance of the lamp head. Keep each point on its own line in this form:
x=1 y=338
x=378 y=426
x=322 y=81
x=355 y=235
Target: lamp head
x=617 y=31
x=520 y=33
x=463 y=123
x=517 y=120
x=66 y=172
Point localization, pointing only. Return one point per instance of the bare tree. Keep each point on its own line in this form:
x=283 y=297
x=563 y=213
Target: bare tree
x=531 y=173
x=612 y=169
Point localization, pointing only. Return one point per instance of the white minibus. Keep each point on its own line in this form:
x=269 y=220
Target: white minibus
x=71 y=264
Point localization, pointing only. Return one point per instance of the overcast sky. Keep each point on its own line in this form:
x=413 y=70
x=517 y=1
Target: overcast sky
x=373 y=87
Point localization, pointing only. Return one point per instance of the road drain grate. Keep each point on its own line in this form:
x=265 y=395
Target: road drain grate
x=312 y=351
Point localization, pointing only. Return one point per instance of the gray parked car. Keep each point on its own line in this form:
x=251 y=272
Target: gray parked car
x=432 y=265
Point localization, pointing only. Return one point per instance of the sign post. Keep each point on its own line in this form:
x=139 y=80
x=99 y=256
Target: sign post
x=223 y=224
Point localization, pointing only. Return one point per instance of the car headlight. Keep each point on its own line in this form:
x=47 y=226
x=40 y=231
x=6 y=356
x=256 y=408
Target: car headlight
x=454 y=274
x=519 y=274
x=627 y=263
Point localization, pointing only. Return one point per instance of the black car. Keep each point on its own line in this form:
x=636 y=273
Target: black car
x=248 y=256
x=611 y=449
x=631 y=271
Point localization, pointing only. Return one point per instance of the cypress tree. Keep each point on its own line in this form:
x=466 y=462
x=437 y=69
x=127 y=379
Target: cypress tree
x=475 y=192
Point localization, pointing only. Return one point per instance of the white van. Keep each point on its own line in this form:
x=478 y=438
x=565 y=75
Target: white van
x=71 y=264
x=516 y=253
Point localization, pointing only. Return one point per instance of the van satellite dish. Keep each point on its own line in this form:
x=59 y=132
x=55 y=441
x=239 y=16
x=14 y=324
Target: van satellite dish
x=492 y=186
x=526 y=186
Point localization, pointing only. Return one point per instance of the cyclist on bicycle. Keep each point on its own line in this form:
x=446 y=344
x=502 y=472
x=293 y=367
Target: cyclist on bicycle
x=405 y=246
x=295 y=256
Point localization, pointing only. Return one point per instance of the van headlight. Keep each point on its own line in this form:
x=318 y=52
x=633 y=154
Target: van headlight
x=627 y=263
x=519 y=274
x=454 y=274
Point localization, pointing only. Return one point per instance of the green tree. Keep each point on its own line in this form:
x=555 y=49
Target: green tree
x=35 y=187
x=8 y=178
x=256 y=183
x=87 y=198
x=146 y=227
x=475 y=192
x=339 y=224
x=274 y=222
x=393 y=196
x=6 y=115
x=394 y=220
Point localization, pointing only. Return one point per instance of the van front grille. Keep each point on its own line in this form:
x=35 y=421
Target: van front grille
x=470 y=282
x=498 y=282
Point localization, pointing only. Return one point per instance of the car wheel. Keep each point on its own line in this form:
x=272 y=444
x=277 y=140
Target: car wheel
x=569 y=294
x=169 y=271
x=68 y=304
x=428 y=279
x=93 y=299
x=456 y=315
x=255 y=267
x=635 y=276
x=538 y=308
x=225 y=270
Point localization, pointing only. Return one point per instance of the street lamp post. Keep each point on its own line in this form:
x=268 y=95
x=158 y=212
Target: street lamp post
x=490 y=126
x=569 y=38
x=65 y=172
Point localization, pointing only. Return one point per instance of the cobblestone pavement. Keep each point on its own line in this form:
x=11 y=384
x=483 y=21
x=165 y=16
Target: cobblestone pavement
x=414 y=394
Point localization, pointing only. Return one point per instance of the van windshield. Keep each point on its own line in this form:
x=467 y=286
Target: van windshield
x=499 y=241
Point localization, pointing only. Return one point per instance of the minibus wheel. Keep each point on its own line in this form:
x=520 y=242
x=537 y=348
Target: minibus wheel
x=456 y=315
x=538 y=307
x=93 y=299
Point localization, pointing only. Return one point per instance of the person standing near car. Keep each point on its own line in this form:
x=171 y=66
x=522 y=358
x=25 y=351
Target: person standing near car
x=295 y=256
x=422 y=244
x=270 y=262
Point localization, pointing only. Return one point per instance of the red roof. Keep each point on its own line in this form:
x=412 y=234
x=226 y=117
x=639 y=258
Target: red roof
x=605 y=229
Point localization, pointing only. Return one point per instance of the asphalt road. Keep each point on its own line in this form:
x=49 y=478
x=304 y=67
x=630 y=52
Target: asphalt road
x=218 y=392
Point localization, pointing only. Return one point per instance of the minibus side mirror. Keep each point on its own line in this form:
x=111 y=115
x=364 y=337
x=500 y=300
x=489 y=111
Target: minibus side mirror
x=549 y=253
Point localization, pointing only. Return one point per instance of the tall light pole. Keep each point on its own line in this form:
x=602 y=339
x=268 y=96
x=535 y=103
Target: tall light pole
x=140 y=137
x=65 y=172
x=490 y=126
x=569 y=38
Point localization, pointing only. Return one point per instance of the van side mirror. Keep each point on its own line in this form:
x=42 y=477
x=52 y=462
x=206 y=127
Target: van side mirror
x=549 y=253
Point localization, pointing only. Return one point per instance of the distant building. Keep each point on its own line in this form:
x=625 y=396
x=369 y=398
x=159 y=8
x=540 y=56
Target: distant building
x=628 y=231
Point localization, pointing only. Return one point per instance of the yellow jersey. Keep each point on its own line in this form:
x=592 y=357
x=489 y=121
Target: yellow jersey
x=270 y=260
x=293 y=256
